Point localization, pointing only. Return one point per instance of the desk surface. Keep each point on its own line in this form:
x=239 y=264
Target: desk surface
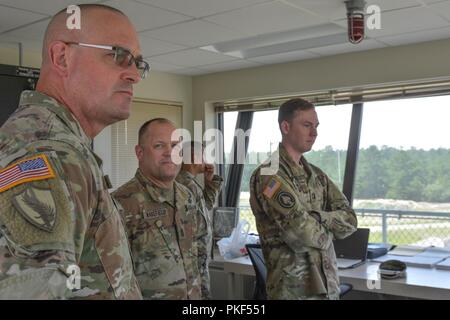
x=422 y=283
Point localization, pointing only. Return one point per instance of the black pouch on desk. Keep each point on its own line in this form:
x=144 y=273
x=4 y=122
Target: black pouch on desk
x=373 y=253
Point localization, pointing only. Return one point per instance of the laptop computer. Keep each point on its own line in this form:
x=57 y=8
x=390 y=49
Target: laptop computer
x=352 y=251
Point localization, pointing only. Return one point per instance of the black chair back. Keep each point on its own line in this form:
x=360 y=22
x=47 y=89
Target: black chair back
x=257 y=258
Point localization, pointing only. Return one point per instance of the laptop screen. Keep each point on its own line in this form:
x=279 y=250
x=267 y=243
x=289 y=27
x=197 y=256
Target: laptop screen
x=354 y=246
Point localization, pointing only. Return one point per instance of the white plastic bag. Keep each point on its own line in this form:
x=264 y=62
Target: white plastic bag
x=234 y=246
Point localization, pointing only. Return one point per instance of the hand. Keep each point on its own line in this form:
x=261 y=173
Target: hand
x=209 y=172
x=316 y=216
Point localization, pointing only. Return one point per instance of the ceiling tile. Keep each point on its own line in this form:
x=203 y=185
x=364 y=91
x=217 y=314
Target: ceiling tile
x=327 y=9
x=266 y=17
x=152 y=47
x=232 y=65
x=193 y=33
x=145 y=17
x=418 y=36
x=442 y=9
x=201 y=8
x=48 y=7
x=433 y=1
x=11 y=18
x=388 y=5
x=335 y=9
x=192 y=58
x=366 y=44
x=285 y=57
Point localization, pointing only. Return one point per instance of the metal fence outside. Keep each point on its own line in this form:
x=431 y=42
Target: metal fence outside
x=398 y=227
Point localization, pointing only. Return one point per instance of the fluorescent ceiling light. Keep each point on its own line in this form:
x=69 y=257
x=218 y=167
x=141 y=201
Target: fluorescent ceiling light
x=275 y=38
x=281 y=42
x=295 y=46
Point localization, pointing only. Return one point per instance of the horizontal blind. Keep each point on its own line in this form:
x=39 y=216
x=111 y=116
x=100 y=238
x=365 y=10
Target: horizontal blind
x=124 y=136
x=341 y=96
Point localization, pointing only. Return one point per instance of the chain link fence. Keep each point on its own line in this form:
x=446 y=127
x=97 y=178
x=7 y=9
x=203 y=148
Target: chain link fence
x=397 y=227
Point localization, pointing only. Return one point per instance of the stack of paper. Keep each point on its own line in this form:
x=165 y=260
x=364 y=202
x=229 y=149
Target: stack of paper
x=444 y=265
x=406 y=251
x=434 y=252
x=417 y=256
x=414 y=261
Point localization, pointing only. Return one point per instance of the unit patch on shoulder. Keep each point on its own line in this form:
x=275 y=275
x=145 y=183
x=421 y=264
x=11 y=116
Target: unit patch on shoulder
x=25 y=170
x=285 y=199
x=37 y=206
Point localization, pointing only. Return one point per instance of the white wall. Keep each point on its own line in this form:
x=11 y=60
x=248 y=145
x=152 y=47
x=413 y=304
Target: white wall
x=387 y=65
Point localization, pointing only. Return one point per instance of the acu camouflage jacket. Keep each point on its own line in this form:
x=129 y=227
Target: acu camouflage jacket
x=56 y=215
x=298 y=212
x=162 y=230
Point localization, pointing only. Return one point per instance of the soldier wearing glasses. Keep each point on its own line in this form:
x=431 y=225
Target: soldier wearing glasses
x=60 y=232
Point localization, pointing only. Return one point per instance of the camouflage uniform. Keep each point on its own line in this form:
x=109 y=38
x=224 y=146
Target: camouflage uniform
x=162 y=230
x=299 y=211
x=65 y=218
x=204 y=199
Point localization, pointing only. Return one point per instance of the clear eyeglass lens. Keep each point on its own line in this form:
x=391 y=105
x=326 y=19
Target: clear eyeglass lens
x=124 y=58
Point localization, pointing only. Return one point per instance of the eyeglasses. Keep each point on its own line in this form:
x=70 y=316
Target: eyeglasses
x=122 y=57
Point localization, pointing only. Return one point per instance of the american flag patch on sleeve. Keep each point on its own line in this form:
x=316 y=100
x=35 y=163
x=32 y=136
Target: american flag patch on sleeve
x=271 y=188
x=26 y=170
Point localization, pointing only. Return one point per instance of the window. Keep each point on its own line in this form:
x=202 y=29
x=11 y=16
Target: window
x=329 y=151
x=229 y=119
x=402 y=182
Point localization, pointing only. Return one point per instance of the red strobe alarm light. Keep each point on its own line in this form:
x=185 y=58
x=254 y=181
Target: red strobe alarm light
x=355 y=20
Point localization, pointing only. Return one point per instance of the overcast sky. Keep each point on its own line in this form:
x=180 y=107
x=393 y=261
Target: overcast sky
x=422 y=123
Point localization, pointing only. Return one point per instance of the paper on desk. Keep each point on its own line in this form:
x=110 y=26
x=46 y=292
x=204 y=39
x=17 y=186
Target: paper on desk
x=444 y=265
x=406 y=251
x=434 y=252
x=413 y=261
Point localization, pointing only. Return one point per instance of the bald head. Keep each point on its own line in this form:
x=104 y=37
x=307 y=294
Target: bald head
x=82 y=69
x=144 y=130
x=91 y=22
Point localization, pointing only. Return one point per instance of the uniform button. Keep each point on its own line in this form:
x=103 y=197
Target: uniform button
x=159 y=223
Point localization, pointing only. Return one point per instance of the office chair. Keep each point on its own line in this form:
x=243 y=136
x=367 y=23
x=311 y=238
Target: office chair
x=257 y=258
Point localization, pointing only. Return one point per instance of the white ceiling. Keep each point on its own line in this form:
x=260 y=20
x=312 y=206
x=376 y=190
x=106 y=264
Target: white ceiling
x=194 y=37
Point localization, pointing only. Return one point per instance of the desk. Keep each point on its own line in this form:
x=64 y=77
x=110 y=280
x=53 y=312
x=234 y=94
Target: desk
x=421 y=283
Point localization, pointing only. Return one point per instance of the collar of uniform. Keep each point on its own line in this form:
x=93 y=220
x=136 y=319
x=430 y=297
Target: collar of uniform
x=185 y=176
x=293 y=169
x=157 y=194
x=29 y=97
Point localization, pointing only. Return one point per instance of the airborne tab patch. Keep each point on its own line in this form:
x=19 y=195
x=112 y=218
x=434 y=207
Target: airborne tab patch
x=26 y=170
